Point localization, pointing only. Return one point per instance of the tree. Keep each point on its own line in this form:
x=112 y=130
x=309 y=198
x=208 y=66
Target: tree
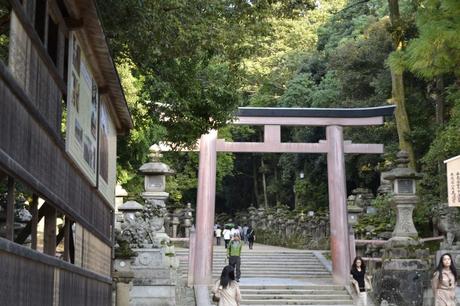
x=398 y=31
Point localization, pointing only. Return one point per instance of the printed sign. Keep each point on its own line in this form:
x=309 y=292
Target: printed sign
x=453 y=180
x=82 y=110
x=107 y=154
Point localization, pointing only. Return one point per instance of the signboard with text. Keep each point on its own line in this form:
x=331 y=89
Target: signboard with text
x=82 y=112
x=453 y=180
x=107 y=154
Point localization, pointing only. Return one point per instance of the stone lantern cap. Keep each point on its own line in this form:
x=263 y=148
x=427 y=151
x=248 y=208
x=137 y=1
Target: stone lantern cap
x=155 y=166
x=402 y=171
x=131 y=206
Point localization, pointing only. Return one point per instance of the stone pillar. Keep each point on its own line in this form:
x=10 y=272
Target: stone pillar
x=120 y=194
x=341 y=260
x=175 y=222
x=205 y=208
x=187 y=219
x=123 y=284
x=191 y=257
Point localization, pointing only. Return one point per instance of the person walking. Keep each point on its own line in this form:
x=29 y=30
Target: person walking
x=245 y=234
x=444 y=282
x=358 y=272
x=234 y=231
x=227 y=289
x=227 y=236
x=234 y=255
x=218 y=234
x=251 y=236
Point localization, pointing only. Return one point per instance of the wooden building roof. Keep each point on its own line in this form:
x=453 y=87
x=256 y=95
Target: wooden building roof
x=96 y=50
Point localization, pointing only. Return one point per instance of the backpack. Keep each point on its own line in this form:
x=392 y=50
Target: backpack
x=251 y=234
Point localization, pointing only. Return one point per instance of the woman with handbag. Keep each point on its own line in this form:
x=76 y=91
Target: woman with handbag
x=359 y=280
x=226 y=291
x=444 y=282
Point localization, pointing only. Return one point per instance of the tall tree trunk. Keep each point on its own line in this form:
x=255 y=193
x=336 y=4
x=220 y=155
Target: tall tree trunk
x=264 y=182
x=255 y=176
x=438 y=97
x=397 y=84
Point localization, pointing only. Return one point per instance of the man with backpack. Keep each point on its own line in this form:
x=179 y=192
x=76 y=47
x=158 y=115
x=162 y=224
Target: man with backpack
x=234 y=255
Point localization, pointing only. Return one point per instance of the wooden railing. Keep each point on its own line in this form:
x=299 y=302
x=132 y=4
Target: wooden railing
x=31 y=278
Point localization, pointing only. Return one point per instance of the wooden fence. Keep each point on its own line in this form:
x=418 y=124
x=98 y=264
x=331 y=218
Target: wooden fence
x=32 y=278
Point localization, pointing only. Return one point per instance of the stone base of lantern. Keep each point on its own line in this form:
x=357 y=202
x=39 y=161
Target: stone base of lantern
x=155 y=278
x=402 y=282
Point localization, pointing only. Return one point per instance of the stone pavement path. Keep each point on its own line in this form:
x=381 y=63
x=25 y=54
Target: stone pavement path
x=280 y=276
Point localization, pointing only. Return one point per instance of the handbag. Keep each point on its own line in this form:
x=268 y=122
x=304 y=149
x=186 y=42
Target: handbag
x=368 y=282
x=216 y=295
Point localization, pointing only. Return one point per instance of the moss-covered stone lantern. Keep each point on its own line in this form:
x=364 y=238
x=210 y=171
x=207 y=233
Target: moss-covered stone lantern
x=403 y=182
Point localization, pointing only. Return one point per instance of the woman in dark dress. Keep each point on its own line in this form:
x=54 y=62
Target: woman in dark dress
x=358 y=271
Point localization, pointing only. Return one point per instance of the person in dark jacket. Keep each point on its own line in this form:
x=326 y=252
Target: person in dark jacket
x=251 y=236
x=358 y=272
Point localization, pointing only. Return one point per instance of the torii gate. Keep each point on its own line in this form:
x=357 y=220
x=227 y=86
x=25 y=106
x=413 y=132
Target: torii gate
x=272 y=119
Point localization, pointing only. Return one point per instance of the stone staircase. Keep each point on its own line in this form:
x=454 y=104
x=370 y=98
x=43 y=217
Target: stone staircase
x=324 y=294
x=278 y=276
x=269 y=264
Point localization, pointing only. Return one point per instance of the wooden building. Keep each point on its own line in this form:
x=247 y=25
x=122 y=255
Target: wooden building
x=61 y=110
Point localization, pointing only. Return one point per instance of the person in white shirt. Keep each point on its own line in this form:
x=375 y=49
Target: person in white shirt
x=234 y=231
x=218 y=235
x=227 y=236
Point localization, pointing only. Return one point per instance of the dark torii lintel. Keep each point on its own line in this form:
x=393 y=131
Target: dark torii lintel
x=313 y=116
x=316 y=112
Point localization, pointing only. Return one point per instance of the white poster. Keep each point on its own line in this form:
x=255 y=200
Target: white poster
x=453 y=180
x=82 y=110
x=107 y=154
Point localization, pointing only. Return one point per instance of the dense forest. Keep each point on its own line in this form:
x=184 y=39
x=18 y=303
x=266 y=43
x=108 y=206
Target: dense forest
x=187 y=65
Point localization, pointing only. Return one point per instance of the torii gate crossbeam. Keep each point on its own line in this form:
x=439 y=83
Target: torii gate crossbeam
x=335 y=148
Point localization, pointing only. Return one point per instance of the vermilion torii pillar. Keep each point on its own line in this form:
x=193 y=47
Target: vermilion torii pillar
x=334 y=146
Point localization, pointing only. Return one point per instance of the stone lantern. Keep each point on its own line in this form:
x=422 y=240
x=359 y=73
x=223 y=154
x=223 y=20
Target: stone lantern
x=353 y=210
x=175 y=221
x=188 y=219
x=403 y=257
x=155 y=173
x=403 y=183
x=129 y=209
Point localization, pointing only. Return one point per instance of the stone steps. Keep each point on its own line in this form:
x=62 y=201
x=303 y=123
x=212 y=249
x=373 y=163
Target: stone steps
x=279 y=277
x=295 y=295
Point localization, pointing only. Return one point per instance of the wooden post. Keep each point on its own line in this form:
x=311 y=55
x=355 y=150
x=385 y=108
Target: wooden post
x=340 y=247
x=10 y=209
x=205 y=208
x=67 y=229
x=34 y=221
x=49 y=243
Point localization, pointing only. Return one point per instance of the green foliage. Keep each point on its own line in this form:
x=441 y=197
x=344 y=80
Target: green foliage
x=124 y=251
x=436 y=51
x=369 y=226
x=5 y=11
x=187 y=65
